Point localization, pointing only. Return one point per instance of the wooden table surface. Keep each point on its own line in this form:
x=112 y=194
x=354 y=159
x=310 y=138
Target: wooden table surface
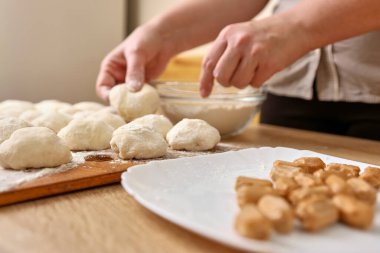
x=107 y=219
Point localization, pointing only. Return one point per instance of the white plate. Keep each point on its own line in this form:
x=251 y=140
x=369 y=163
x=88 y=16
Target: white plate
x=198 y=193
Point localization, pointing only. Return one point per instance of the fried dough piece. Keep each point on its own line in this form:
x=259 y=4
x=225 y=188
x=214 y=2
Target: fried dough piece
x=372 y=176
x=362 y=190
x=278 y=211
x=250 y=222
x=354 y=212
x=309 y=164
x=349 y=171
x=285 y=185
x=337 y=185
x=300 y=194
x=241 y=180
x=306 y=180
x=248 y=194
x=322 y=175
x=317 y=213
x=283 y=169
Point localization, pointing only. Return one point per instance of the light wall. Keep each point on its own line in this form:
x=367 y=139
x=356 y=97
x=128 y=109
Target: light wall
x=51 y=49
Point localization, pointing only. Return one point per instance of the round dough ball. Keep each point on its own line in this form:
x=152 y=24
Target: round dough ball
x=109 y=109
x=138 y=142
x=158 y=123
x=193 y=135
x=53 y=120
x=82 y=114
x=131 y=105
x=16 y=103
x=10 y=124
x=33 y=147
x=14 y=108
x=88 y=106
x=51 y=106
x=87 y=134
x=115 y=121
x=30 y=115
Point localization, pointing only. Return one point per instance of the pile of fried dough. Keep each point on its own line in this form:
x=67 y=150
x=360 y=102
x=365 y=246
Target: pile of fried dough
x=319 y=195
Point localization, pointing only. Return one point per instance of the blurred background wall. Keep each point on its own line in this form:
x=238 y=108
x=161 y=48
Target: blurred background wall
x=53 y=48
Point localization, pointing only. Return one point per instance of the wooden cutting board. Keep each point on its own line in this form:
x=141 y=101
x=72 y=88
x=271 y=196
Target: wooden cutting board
x=95 y=171
x=87 y=175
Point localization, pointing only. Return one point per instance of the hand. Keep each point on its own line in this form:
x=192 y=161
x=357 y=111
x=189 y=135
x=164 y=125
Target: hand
x=249 y=53
x=138 y=59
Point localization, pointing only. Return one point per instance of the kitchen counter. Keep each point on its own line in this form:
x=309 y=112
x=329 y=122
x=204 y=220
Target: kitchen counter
x=107 y=219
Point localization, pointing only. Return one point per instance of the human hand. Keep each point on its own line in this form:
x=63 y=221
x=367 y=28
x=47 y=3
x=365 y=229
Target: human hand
x=138 y=59
x=249 y=53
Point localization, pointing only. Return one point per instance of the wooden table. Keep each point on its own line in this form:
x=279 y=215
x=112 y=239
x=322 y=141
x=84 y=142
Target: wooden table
x=107 y=219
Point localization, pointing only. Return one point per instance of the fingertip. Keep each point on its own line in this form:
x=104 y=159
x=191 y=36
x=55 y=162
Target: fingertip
x=104 y=93
x=134 y=85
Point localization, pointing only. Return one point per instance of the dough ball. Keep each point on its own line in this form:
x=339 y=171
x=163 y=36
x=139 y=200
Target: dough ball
x=131 y=105
x=10 y=124
x=82 y=114
x=193 y=135
x=16 y=103
x=14 y=108
x=157 y=122
x=138 y=142
x=109 y=109
x=30 y=115
x=51 y=106
x=53 y=120
x=88 y=106
x=87 y=134
x=115 y=121
x=33 y=147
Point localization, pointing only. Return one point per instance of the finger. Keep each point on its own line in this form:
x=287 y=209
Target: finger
x=135 y=76
x=104 y=84
x=260 y=77
x=208 y=65
x=244 y=73
x=226 y=66
x=112 y=72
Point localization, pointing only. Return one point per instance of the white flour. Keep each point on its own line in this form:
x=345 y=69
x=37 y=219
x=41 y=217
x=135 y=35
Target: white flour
x=12 y=178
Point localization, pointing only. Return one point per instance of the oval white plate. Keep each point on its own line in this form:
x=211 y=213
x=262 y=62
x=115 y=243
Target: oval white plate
x=197 y=193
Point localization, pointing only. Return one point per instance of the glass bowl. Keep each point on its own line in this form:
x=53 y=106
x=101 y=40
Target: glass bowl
x=230 y=110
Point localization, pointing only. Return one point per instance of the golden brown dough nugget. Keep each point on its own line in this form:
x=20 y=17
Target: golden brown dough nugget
x=316 y=213
x=283 y=169
x=303 y=193
x=322 y=175
x=309 y=164
x=337 y=185
x=372 y=176
x=250 y=222
x=354 y=212
x=285 y=185
x=278 y=211
x=348 y=170
x=252 y=193
x=306 y=180
x=241 y=180
x=362 y=190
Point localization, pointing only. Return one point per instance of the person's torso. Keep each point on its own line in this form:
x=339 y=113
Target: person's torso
x=347 y=70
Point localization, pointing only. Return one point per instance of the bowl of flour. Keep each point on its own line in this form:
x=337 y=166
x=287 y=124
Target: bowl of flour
x=230 y=110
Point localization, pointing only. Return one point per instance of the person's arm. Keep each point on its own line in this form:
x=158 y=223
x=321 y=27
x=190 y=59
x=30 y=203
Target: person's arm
x=249 y=53
x=145 y=53
x=195 y=22
x=326 y=21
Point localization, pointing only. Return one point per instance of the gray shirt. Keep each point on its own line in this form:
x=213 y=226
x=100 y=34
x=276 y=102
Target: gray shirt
x=347 y=70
